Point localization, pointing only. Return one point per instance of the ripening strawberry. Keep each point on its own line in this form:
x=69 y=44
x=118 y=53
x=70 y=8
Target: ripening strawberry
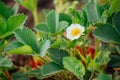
x=34 y=64
x=79 y=49
x=91 y=50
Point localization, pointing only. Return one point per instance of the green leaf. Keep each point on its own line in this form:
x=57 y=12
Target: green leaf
x=52 y=21
x=92 y=11
x=93 y=66
x=87 y=75
x=84 y=18
x=3 y=76
x=57 y=55
x=57 y=43
x=62 y=26
x=14 y=9
x=5 y=62
x=18 y=48
x=70 y=44
x=79 y=17
x=107 y=33
x=65 y=17
x=44 y=45
x=115 y=6
x=4 y=11
x=15 y=21
x=3 y=26
x=115 y=61
x=116 y=19
x=75 y=66
x=3 y=44
x=103 y=58
x=76 y=16
x=36 y=73
x=43 y=28
x=46 y=11
x=27 y=37
x=29 y=4
x=20 y=76
x=13 y=45
x=22 y=50
x=118 y=48
x=50 y=69
x=52 y=25
x=104 y=76
x=12 y=23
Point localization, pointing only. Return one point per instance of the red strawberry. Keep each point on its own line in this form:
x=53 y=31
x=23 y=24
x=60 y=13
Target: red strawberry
x=91 y=50
x=34 y=64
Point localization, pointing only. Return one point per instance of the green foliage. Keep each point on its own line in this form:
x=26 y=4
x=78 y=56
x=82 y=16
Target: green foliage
x=2 y=76
x=5 y=62
x=87 y=75
x=53 y=25
x=27 y=37
x=115 y=6
x=70 y=44
x=29 y=4
x=19 y=76
x=44 y=45
x=116 y=19
x=115 y=61
x=107 y=33
x=18 y=48
x=15 y=9
x=57 y=43
x=105 y=17
x=104 y=76
x=92 y=13
x=103 y=58
x=100 y=60
x=36 y=73
x=3 y=26
x=65 y=17
x=57 y=55
x=96 y=13
x=50 y=69
x=2 y=45
x=27 y=43
x=8 y=27
x=4 y=11
x=16 y=21
x=75 y=66
x=79 y=17
x=118 y=48
x=42 y=28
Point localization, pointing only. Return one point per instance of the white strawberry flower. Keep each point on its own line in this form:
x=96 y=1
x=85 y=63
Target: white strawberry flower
x=74 y=31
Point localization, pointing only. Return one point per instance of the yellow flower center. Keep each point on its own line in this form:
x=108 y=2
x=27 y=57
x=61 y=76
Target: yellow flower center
x=75 y=31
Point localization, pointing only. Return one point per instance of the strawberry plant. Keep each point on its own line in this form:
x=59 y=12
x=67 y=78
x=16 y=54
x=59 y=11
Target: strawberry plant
x=70 y=44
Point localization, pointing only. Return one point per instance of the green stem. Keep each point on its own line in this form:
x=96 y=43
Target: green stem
x=92 y=74
x=97 y=44
x=35 y=16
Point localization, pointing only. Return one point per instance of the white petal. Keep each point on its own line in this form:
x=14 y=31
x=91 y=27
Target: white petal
x=69 y=30
x=82 y=29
